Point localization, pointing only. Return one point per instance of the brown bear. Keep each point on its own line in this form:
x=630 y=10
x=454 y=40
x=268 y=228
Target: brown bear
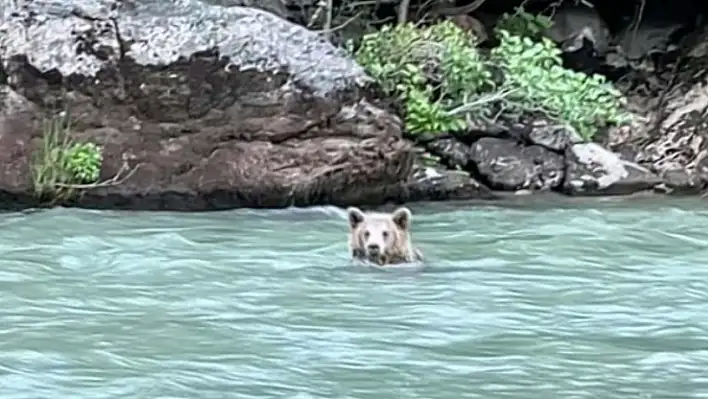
x=381 y=238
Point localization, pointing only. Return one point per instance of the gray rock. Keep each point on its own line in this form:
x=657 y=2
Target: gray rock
x=484 y=127
x=277 y=7
x=679 y=181
x=686 y=181
x=573 y=24
x=441 y=184
x=510 y=166
x=454 y=153
x=17 y=116
x=210 y=107
x=682 y=139
x=594 y=170
x=676 y=149
x=553 y=136
x=635 y=43
x=154 y=34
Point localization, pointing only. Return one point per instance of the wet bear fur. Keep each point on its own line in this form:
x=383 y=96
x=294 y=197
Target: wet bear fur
x=381 y=238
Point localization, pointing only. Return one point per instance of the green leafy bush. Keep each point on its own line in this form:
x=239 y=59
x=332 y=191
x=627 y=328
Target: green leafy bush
x=538 y=82
x=443 y=79
x=423 y=116
x=462 y=67
x=83 y=162
x=388 y=57
x=60 y=166
x=430 y=69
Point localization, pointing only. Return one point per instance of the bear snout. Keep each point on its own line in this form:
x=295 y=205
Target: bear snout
x=373 y=248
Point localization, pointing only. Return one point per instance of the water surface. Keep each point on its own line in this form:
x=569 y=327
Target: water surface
x=602 y=299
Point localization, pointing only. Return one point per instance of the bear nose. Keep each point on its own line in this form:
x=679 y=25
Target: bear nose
x=373 y=248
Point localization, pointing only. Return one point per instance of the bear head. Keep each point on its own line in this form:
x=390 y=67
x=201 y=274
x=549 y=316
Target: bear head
x=381 y=238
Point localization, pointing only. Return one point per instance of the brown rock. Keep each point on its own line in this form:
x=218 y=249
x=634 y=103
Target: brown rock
x=201 y=107
x=270 y=116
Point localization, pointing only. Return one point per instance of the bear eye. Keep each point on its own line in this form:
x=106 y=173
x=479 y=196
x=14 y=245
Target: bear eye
x=385 y=234
x=367 y=234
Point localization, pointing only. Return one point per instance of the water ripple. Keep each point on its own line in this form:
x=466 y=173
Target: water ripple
x=593 y=301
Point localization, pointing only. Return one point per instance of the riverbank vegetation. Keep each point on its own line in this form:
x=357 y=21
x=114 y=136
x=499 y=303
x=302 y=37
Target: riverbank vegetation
x=446 y=83
x=61 y=165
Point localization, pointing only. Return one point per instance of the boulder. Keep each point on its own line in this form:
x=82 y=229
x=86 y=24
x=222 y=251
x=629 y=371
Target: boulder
x=18 y=117
x=196 y=107
x=453 y=152
x=593 y=170
x=510 y=166
x=551 y=135
x=442 y=184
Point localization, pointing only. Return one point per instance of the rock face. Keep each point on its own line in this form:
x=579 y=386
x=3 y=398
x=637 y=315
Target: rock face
x=440 y=183
x=679 y=153
x=510 y=166
x=594 y=170
x=673 y=141
x=207 y=107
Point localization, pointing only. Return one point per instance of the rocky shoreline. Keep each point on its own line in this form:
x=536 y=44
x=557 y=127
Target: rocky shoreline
x=235 y=107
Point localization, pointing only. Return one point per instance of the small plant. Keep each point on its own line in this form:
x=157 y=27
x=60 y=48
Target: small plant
x=424 y=116
x=60 y=165
x=83 y=162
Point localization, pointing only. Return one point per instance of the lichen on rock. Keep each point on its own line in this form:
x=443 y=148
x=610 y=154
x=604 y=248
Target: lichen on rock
x=211 y=107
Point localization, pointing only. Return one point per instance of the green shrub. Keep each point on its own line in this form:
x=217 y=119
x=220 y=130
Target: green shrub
x=462 y=67
x=423 y=115
x=522 y=23
x=429 y=69
x=443 y=80
x=535 y=76
x=61 y=166
x=83 y=162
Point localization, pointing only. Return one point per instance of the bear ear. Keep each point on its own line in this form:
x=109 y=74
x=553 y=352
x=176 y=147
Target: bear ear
x=355 y=215
x=402 y=217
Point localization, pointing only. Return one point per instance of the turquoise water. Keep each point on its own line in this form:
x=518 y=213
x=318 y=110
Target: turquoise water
x=594 y=300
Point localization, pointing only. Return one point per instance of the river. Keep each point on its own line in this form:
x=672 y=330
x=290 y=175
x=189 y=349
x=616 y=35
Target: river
x=596 y=299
